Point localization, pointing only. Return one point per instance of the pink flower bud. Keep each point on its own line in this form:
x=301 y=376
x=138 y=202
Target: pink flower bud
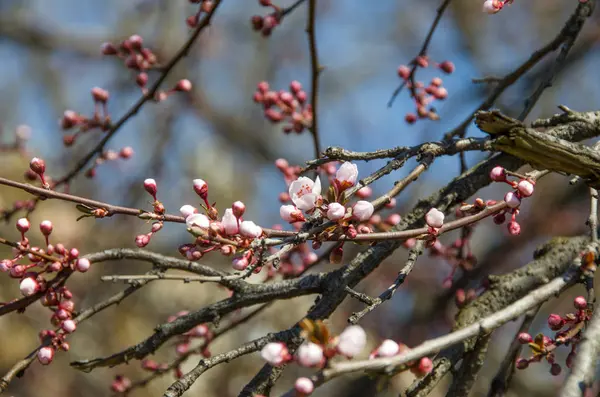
x=238 y=209
x=6 y=265
x=74 y=253
x=257 y=22
x=393 y=219
x=198 y=220
x=491 y=6
x=108 y=49
x=310 y=354
x=580 y=303
x=291 y=214
x=230 y=222
x=150 y=186
x=555 y=322
x=275 y=353
x=250 y=229
x=46 y=228
x=447 y=67
x=187 y=210
x=335 y=211
x=499 y=218
x=304 y=386
x=99 y=95
x=441 y=93
x=362 y=210
x=387 y=348
x=183 y=85
x=570 y=359
x=410 y=118
x=522 y=363
x=525 y=338
x=514 y=228
x=29 y=286
x=364 y=192
x=67 y=305
x=201 y=188
x=69 y=326
x=403 y=72
x=512 y=200
x=498 y=174
x=240 y=263
x=555 y=369
x=352 y=341
x=525 y=187
x=346 y=175
x=295 y=87
x=434 y=218
x=23 y=225
x=83 y=265
x=45 y=355
x=424 y=367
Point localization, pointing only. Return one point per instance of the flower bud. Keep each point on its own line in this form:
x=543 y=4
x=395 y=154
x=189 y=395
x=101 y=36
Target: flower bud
x=524 y=338
x=352 y=341
x=275 y=353
x=346 y=175
x=362 y=210
x=46 y=228
x=23 y=225
x=198 y=220
x=310 y=354
x=555 y=322
x=514 y=229
x=100 y=95
x=69 y=326
x=580 y=303
x=335 y=211
x=238 y=209
x=291 y=214
x=364 y=192
x=522 y=363
x=240 y=263
x=512 y=200
x=83 y=265
x=45 y=355
x=434 y=218
x=250 y=229
x=151 y=187
x=37 y=165
x=29 y=286
x=230 y=222
x=387 y=348
x=183 y=85
x=525 y=187
x=201 y=188
x=304 y=386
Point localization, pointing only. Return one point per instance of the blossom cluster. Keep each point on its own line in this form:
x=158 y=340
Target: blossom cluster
x=284 y=105
x=35 y=280
x=320 y=347
x=522 y=189
x=266 y=24
x=205 y=7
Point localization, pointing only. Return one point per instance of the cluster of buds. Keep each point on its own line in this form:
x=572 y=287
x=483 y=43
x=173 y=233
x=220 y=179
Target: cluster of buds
x=121 y=384
x=321 y=346
x=141 y=59
x=522 y=189
x=284 y=106
x=205 y=7
x=266 y=24
x=494 y=6
x=423 y=95
x=109 y=155
x=158 y=210
x=568 y=333
x=99 y=120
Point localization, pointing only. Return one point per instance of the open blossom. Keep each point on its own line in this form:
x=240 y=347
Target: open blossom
x=310 y=354
x=304 y=192
x=275 y=353
x=198 y=220
x=346 y=175
x=362 y=210
x=335 y=211
x=230 y=222
x=291 y=214
x=352 y=341
x=250 y=229
x=434 y=218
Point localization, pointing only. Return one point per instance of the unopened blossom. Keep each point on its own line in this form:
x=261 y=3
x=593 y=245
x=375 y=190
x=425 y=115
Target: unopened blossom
x=250 y=229
x=198 y=220
x=187 y=210
x=352 y=341
x=304 y=386
x=424 y=367
x=498 y=174
x=45 y=355
x=238 y=208
x=387 y=348
x=240 y=263
x=492 y=6
x=346 y=175
x=29 y=286
x=69 y=326
x=275 y=353
x=151 y=187
x=364 y=192
x=512 y=200
x=46 y=228
x=362 y=210
x=580 y=303
x=304 y=192
x=525 y=187
x=335 y=211
x=201 y=188
x=291 y=214
x=230 y=222
x=310 y=354
x=434 y=218
x=23 y=225
x=83 y=265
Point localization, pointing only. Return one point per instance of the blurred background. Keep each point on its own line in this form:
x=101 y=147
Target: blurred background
x=50 y=59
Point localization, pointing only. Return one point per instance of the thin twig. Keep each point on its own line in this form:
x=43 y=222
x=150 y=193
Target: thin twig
x=315 y=70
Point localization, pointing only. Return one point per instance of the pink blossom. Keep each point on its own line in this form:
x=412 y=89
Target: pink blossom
x=492 y=6
x=46 y=228
x=352 y=341
x=83 y=265
x=310 y=354
x=230 y=222
x=23 y=225
x=498 y=174
x=291 y=214
x=29 y=286
x=238 y=209
x=69 y=326
x=151 y=187
x=201 y=188
x=434 y=218
x=304 y=386
x=304 y=192
x=275 y=353
x=250 y=229
x=346 y=175
x=240 y=263
x=512 y=200
x=45 y=355
x=362 y=210
x=335 y=211
x=525 y=187
x=198 y=220
x=387 y=348
x=187 y=210
x=580 y=303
